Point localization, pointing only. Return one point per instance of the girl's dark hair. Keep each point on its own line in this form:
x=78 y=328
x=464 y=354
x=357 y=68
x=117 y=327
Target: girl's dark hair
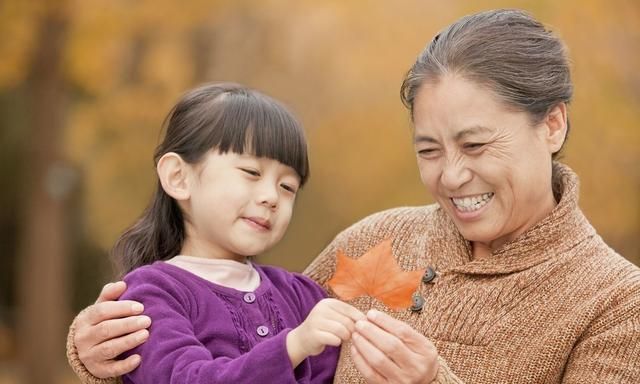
x=226 y=117
x=506 y=50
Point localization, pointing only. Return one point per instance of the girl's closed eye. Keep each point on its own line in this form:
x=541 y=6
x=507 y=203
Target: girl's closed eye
x=289 y=188
x=250 y=171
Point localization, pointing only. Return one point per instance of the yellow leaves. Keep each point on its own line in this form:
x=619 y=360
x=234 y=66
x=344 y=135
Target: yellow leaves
x=18 y=22
x=339 y=69
x=375 y=274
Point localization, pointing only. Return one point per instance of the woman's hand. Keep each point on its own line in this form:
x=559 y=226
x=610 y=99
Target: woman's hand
x=108 y=328
x=330 y=322
x=386 y=350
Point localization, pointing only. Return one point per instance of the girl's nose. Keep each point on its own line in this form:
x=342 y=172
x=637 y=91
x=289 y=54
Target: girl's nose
x=268 y=196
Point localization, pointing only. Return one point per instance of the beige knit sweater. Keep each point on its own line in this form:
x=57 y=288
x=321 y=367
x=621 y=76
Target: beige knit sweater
x=556 y=305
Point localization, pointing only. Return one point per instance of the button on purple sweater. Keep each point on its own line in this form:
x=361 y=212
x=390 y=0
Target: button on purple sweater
x=202 y=332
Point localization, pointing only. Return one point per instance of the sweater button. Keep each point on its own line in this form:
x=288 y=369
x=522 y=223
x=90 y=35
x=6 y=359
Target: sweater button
x=418 y=302
x=429 y=275
x=249 y=297
x=262 y=331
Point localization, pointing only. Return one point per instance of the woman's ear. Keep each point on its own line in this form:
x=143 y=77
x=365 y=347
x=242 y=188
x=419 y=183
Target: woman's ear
x=556 y=123
x=173 y=173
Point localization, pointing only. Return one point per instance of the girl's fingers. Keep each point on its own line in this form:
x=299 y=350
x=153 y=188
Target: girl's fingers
x=343 y=331
x=348 y=310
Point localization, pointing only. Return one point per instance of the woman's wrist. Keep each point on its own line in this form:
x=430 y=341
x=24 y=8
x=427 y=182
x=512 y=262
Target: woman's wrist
x=77 y=365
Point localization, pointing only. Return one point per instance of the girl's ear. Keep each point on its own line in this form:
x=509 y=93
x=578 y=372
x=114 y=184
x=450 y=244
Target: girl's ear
x=173 y=173
x=556 y=122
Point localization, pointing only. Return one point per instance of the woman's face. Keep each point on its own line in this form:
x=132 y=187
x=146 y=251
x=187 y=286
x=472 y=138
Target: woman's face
x=484 y=162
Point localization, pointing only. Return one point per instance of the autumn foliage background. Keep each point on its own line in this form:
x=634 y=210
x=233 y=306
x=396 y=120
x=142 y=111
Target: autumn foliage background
x=85 y=85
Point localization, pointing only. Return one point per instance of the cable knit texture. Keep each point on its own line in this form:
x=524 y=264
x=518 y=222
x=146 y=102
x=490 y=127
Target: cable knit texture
x=556 y=305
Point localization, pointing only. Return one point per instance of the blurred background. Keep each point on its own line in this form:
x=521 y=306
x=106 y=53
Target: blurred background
x=85 y=85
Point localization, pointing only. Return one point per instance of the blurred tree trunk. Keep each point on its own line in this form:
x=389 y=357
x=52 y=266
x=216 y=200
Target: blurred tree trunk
x=42 y=267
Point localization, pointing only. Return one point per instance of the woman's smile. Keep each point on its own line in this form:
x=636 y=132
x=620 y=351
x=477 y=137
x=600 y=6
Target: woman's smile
x=471 y=203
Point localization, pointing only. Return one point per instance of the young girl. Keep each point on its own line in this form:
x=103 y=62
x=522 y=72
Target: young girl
x=229 y=168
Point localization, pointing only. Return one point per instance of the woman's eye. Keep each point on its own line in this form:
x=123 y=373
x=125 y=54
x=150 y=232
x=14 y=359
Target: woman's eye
x=427 y=152
x=472 y=146
x=251 y=172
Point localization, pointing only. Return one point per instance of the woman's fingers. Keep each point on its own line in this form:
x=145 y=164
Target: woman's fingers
x=110 y=329
x=367 y=371
x=115 y=347
x=387 y=344
x=397 y=352
x=112 y=291
x=410 y=338
x=98 y=357
x=117 y=367
x=108 y=310
x=368 y=360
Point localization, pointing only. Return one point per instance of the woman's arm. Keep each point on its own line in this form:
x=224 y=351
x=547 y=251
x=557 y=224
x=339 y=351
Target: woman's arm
x=610 y=353
x=103 y=331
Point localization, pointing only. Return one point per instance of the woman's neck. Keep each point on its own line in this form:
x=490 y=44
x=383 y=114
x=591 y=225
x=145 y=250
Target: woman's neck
x=483 y=250
x=480 y=250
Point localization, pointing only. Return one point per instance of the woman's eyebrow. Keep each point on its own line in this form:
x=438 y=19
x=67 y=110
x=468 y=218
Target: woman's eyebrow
x=476 y=129
x=423 y=139
x=471 y=131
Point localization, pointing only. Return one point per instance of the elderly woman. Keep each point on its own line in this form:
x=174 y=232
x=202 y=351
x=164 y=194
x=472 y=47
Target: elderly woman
x=519 y=287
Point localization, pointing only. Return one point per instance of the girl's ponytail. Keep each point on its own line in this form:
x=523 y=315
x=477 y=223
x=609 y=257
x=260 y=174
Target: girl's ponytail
x=157 y=235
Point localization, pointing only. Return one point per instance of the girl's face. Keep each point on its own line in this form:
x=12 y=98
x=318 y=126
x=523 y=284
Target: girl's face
x=239 y=205
x=483 y=162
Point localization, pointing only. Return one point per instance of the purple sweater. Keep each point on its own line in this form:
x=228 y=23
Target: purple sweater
x=202 y=332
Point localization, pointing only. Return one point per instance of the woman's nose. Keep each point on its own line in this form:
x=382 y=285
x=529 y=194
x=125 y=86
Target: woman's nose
x=454 y=175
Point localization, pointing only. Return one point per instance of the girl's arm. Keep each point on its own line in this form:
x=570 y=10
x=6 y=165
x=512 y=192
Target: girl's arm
x=174 y=354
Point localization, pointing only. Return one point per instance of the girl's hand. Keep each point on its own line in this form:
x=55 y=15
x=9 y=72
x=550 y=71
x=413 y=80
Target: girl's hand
x=386 y=350
x=108 y=328
x=330 y=322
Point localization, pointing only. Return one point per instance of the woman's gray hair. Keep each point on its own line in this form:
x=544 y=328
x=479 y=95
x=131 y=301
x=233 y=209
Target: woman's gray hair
x=506 y=50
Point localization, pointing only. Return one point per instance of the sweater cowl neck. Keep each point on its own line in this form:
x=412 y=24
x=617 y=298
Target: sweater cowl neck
x=560 y=231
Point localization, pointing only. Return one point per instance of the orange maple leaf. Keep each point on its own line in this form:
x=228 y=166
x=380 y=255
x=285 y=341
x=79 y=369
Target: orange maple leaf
x=375 y=274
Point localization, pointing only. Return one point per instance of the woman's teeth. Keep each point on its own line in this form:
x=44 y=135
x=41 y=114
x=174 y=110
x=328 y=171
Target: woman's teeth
x=470 y=204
